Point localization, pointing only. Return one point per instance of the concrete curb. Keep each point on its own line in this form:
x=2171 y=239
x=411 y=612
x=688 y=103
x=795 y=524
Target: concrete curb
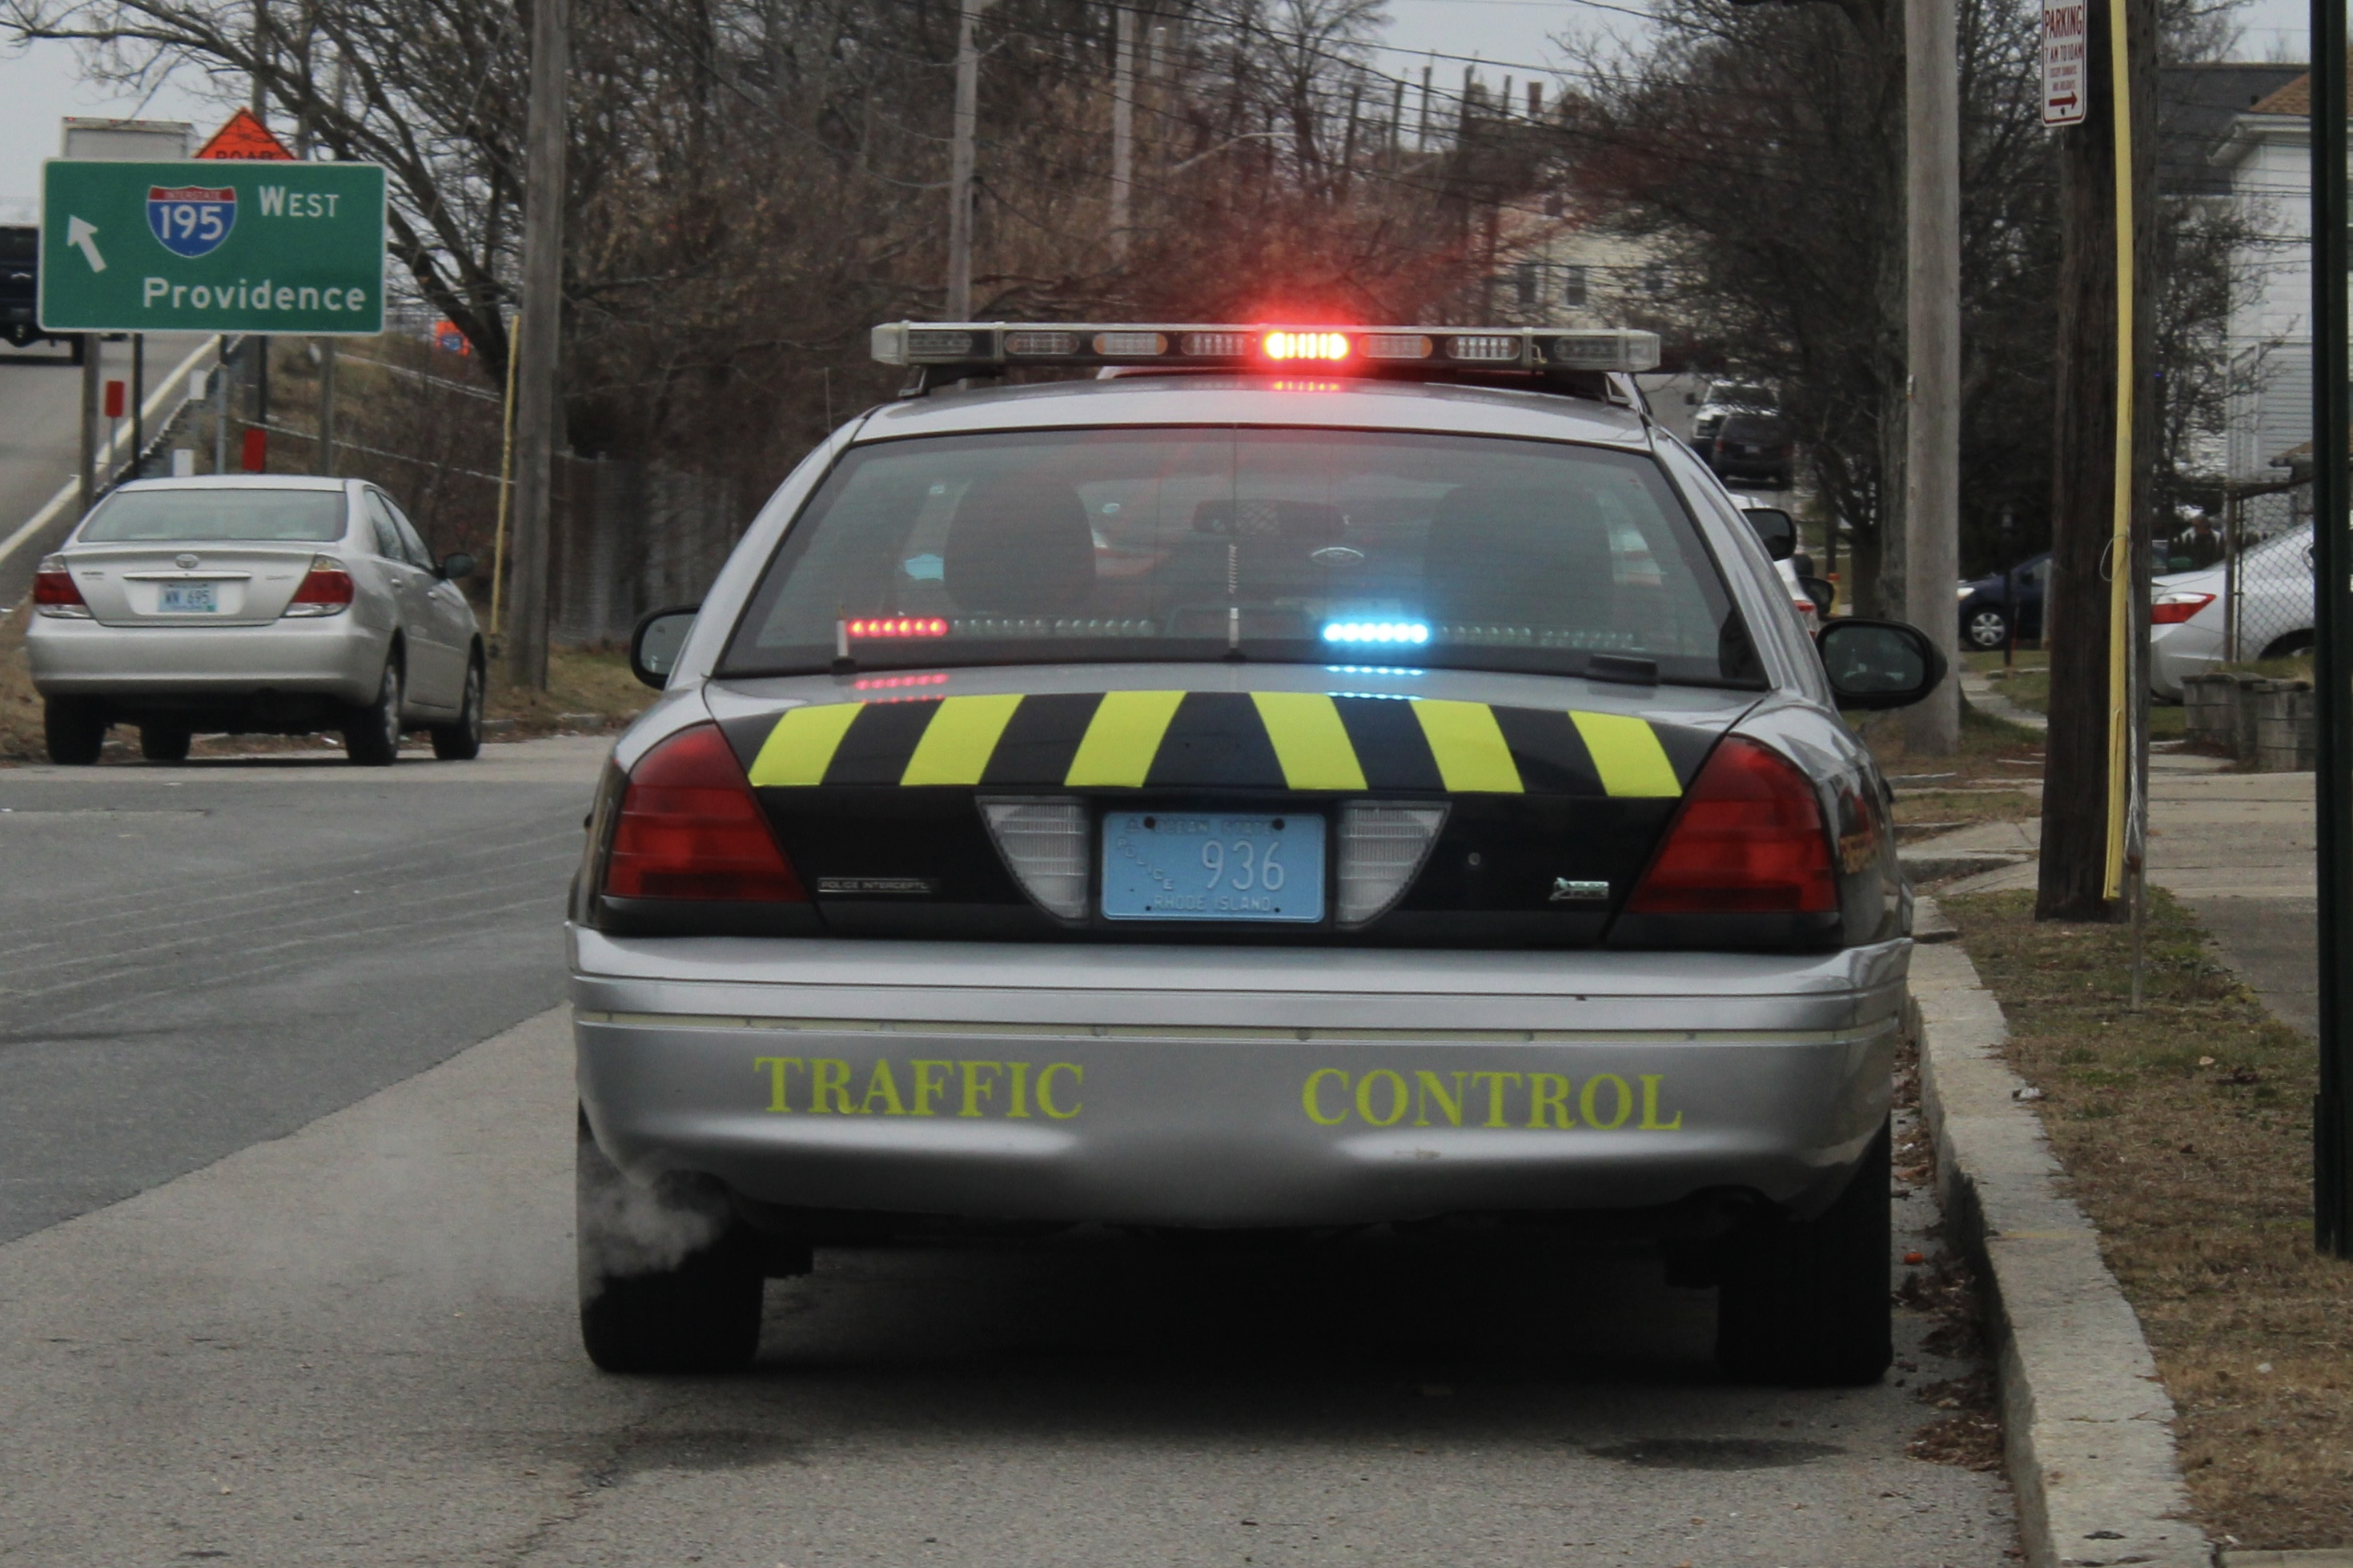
x=2086 y=1426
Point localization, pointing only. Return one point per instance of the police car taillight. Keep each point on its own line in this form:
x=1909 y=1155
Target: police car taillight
x=1748 y=840
x=1044 y=844
x=690 y=827
x=1381 y=847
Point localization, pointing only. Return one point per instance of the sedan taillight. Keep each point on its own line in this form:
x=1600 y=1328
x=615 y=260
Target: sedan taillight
x=54 y=593
x=2172 y=609
x=325 y=590
x=690 y=827
x=1748 y=840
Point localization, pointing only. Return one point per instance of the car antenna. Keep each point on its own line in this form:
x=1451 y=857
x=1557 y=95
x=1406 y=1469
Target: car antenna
x=842 y=663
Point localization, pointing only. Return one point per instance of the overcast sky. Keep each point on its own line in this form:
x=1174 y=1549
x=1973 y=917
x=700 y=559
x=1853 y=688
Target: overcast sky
x=41 y=85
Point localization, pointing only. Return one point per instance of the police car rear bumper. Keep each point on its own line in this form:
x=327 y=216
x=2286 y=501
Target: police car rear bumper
x=1231 y=1087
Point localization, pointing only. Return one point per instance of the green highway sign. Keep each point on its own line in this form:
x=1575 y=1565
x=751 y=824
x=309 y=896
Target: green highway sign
x=212 y=247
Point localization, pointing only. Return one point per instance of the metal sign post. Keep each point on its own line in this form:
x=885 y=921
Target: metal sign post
x=2332 y=602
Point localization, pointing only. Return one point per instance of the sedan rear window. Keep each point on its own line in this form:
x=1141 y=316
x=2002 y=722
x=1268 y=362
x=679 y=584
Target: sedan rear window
x=1323 y=546
x=195 y=516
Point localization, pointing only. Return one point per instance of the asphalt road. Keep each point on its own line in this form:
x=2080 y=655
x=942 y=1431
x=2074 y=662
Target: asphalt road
x=208 y=955
x=292 y=1281
x=40 y=436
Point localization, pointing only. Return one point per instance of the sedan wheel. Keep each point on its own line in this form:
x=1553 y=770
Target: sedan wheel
x=669 y=1281
x=1988 y=628
x=164 y=744
x=75 y=732
x=462 y=741
x=372 y=738
x=1805 y=1303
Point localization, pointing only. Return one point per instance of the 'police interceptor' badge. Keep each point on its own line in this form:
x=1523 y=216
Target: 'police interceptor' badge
x=191 y=220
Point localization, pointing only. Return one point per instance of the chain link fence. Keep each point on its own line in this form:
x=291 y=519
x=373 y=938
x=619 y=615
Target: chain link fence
x=2267 y=573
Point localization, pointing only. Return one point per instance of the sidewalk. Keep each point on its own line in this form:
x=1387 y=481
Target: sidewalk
x=2236 y=848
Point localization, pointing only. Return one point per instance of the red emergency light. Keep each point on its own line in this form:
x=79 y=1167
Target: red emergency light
x=898 y=626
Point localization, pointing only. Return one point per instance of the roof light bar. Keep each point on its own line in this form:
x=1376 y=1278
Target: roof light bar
x=973 y=346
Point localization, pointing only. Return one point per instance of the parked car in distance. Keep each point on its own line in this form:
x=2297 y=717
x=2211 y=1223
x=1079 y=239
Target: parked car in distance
x=20 y=291
x=1753 y=447
x=253 y=604
x=1986 y=613
x=2188 y=617
x=1724 y=398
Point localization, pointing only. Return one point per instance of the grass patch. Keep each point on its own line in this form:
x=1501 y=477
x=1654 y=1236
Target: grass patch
x=2186 y=1131
x=1994 y=751
x=1921 y=813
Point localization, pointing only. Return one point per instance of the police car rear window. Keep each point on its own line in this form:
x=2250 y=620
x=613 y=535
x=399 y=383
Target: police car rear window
x=1076 y=546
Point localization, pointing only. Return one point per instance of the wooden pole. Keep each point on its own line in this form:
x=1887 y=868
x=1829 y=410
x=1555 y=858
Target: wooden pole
x=535 y=395
x=1933 y=343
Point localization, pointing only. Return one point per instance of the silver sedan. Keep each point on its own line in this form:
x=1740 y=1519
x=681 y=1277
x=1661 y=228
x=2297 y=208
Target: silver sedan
x=254 y=604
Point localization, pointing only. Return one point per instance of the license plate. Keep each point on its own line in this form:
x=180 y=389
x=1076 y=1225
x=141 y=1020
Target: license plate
x=1212 y=866
x=188 y=599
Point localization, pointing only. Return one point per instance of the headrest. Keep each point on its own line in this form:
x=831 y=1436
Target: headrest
x=1535 y=558
x=1019 y=547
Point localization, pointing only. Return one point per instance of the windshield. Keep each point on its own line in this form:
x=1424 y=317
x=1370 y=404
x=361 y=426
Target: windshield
x=192 y=516
x=1317 y=546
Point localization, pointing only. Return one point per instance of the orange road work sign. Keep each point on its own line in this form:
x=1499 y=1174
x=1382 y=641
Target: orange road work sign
x=246 y=139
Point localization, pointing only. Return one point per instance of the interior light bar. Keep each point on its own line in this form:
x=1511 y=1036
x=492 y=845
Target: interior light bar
x=981 y=346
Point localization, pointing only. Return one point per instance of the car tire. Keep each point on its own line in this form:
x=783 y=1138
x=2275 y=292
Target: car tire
x=73 y=731
x=671 y=1281
x=2289 y=646
x=372 y=734
x=1806 y=1303
x=462 y=741
x=164 y=744
x=1986 y=629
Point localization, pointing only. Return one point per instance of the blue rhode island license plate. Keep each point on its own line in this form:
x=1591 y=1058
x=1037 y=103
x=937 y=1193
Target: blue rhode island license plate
x=1212 y=866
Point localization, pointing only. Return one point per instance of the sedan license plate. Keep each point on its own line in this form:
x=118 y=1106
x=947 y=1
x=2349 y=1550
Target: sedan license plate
x=1212 y=866
x=188 y=599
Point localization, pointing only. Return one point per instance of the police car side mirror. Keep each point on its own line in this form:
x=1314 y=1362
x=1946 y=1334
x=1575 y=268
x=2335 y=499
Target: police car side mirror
x=1879 y=664
x=1777 y=527
x=653 y=647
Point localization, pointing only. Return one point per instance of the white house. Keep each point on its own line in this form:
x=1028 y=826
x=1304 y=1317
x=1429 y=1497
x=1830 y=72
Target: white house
x=2267 y=157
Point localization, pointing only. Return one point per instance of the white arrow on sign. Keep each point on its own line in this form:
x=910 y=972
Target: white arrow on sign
x=83 y=234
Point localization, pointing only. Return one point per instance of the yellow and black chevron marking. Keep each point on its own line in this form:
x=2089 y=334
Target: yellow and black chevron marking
x=1264 y=739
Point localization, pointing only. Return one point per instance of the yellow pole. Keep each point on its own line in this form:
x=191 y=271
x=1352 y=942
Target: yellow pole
x=506 y=482
x=2121 y=567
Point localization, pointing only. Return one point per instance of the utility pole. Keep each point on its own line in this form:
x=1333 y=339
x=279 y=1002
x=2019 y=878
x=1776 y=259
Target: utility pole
x=542 y=316
x=2096 y=478
x=1122 y=133
x=258 y=344
x=138 y=400
x=960 y=155
x=2332 y=1123
x=1421 y=138
x=1932 y=430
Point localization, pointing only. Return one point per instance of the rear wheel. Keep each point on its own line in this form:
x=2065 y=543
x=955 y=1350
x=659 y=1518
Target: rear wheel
x=164 y=744
x=462 y=741
x=1987 y=628
x=74 y=731
x=1806 y=1302
x=669 y=1280
x=371 y=735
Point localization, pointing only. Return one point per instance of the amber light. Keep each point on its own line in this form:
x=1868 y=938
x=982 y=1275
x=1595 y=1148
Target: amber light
x=898 y=626
x=1748 y=840
x=690 y=827
x=1305 y=346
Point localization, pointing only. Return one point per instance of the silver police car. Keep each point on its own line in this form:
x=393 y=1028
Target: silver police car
x=254 y=604
x=1285 y=780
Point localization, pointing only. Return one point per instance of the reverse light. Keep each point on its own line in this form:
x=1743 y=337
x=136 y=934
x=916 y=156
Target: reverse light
x=2172 y=609
x=1748 y=840
x=897 y=626
x=1395 y=632
x=325 y=590
x=1044 y=843
x=690 y=827
x=54 y=593
x=1485 y=346
x=1381 y=847
x=1332 y=346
